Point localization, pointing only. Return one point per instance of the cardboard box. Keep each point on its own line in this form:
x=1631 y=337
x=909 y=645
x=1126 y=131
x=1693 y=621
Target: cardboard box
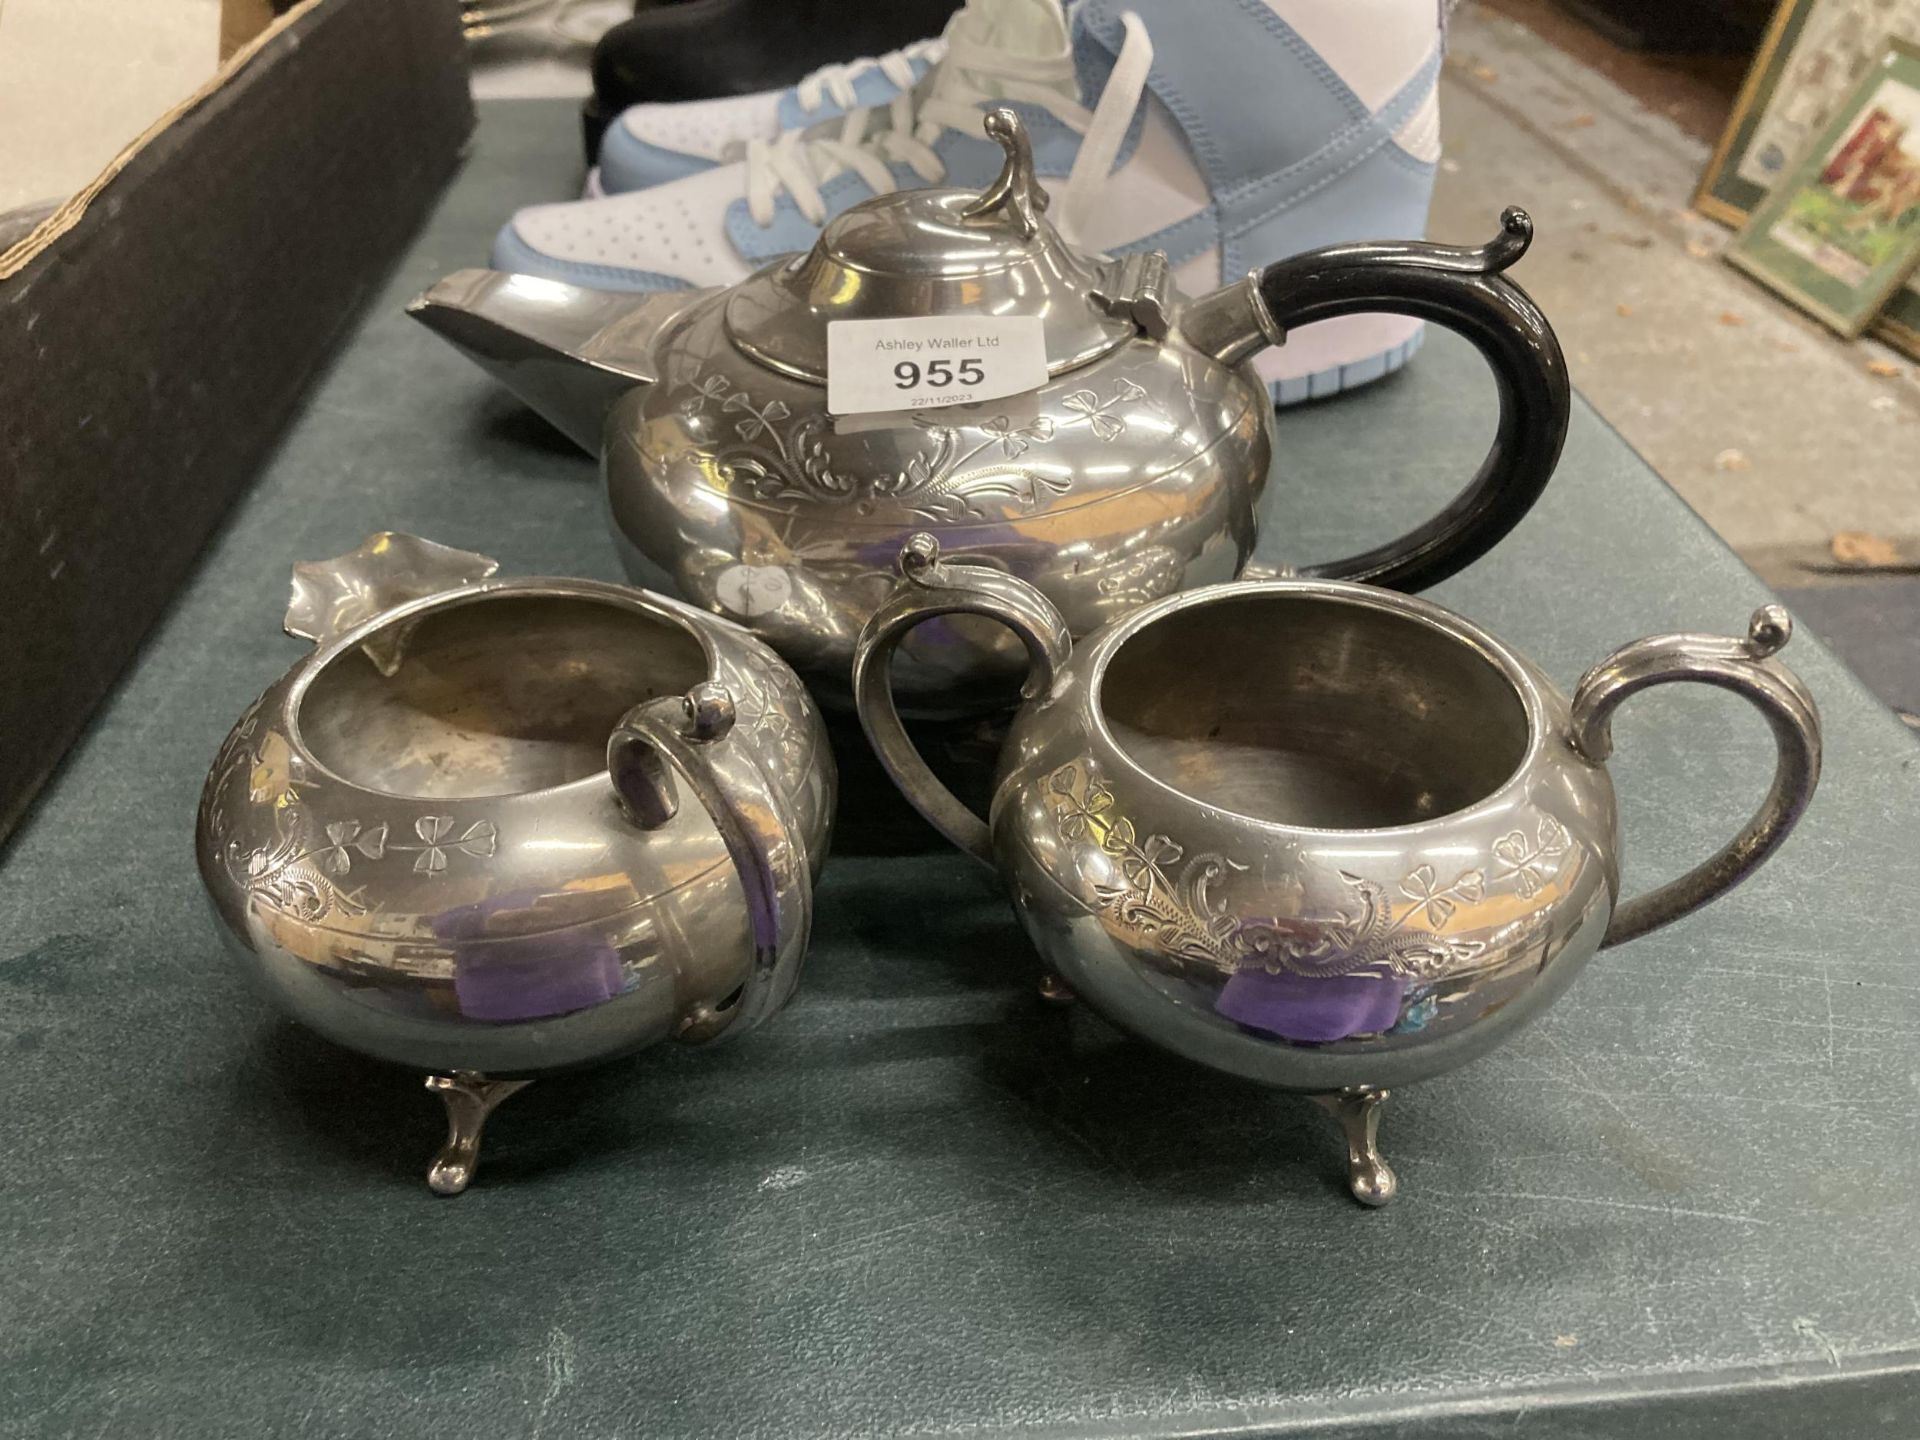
x=158 y=330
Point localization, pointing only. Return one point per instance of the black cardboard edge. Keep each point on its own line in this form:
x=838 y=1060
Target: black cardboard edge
x=151 y=357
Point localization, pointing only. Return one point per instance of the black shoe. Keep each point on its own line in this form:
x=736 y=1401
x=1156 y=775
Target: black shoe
x=703 y=49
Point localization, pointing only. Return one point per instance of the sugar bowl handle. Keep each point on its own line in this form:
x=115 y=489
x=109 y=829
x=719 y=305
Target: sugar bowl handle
x=690 y=736
x=1464 y=290
x=1747 y=668
x=930 y=588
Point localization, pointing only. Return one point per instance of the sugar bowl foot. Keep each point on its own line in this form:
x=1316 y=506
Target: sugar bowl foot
x=1357 y=1109
x=470 y=1098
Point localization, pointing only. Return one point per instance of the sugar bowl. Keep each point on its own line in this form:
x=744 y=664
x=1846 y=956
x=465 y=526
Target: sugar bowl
x=453 y=837
x=1313 y=833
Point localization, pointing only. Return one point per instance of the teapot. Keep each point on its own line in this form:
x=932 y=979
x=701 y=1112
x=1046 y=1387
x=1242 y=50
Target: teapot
x=452 y=836
x=1134 y=472
x=1314 y=833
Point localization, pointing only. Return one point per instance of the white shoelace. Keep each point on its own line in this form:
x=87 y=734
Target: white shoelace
x=837 y=81
x=952 y=98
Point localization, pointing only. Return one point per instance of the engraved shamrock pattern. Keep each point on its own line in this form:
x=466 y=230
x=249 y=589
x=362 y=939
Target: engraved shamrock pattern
x=1523 y=862
x=307 y=875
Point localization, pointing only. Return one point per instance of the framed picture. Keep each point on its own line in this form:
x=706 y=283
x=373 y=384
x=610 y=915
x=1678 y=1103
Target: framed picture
x=1813 y=54
x=1840 y=229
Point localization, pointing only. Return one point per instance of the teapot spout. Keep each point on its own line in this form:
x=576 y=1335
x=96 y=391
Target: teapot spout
x=569 y=352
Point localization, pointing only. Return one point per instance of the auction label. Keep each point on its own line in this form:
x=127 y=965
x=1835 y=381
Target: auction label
x=918 y=363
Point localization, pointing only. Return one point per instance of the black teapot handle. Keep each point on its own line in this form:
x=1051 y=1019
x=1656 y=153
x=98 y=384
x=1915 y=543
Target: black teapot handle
x=1464 y=290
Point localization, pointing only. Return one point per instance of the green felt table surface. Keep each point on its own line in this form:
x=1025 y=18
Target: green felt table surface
x=917 y=1202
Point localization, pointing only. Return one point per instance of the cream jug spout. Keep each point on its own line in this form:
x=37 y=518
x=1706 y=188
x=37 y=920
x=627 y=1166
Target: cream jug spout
x=569 y=352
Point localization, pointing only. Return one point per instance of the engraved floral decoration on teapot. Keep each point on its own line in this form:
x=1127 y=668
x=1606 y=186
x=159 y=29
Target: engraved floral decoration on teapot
x=776 y=462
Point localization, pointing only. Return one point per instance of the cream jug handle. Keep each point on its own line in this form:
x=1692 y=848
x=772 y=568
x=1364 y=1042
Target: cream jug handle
x=691 y=735
x=929 y=588
x=1747 y=668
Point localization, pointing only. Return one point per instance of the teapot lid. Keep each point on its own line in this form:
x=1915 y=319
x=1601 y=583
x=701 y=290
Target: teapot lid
x=947 y=252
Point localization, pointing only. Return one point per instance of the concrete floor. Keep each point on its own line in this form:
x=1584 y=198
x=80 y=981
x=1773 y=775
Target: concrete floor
x=1774 y=430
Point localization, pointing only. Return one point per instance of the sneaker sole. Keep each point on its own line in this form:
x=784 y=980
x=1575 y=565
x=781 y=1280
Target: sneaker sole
x=1338 y=355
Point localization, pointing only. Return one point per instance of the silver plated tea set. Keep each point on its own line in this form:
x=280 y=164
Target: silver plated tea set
x=1307 y=830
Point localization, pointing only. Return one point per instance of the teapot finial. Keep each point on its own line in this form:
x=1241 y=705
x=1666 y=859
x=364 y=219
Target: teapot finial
x=1017 y=192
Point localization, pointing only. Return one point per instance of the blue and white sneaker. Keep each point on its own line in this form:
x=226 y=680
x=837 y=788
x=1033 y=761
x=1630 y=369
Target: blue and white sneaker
x=652 y=144
x=1228 y=133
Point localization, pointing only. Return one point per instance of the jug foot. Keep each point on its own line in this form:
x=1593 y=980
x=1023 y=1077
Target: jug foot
x=1054 y=990
x=1357 y=1108
x=470 y=1098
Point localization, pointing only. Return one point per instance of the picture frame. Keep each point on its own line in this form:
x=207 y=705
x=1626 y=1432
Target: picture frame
x=1839 y=231
x=1811 y=55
